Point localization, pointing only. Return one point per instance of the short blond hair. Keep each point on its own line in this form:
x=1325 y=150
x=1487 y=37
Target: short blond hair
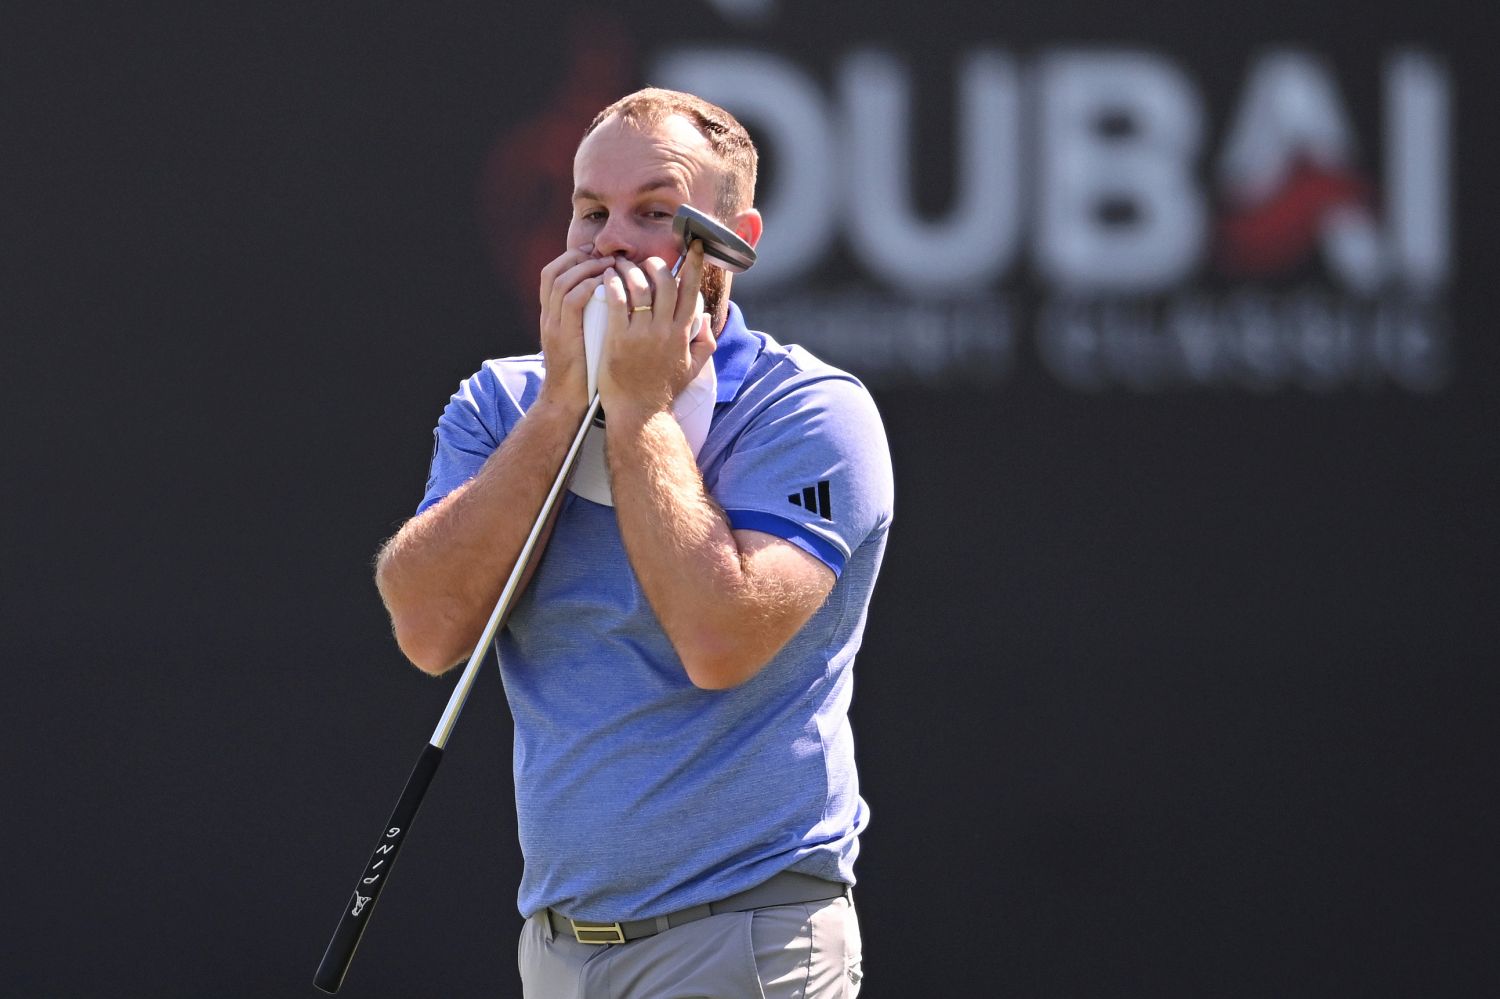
x=726 y=136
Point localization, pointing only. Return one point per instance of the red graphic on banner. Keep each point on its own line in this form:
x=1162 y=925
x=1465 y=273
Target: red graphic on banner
x=1282 y=231
x=527 y=183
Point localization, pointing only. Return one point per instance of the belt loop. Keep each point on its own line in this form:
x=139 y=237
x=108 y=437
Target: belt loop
x=546 y=917
x=663 y=924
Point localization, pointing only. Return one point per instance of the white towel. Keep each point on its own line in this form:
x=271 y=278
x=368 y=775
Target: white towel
x=693 y=407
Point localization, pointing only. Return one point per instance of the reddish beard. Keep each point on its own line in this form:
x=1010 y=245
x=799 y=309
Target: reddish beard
x=715 y=290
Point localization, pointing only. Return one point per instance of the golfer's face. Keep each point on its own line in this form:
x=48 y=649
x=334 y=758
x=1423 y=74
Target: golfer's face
x=627 y=184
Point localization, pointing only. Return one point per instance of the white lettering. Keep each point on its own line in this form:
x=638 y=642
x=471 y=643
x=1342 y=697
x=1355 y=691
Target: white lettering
x=1292 y=117
x=1120 y=133
x=1249 y=340
x=1099 y=179
x=1290 y=113
x=978 y=239
x=894 y=341
x=1418 y=138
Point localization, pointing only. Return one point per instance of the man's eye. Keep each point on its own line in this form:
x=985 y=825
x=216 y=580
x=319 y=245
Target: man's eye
x=594 y=215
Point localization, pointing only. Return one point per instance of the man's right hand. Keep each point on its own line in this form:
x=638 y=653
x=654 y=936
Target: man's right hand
x=566 y=286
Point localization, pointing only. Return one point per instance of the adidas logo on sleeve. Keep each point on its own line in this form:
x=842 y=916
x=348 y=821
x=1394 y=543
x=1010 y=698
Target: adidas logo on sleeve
x=814 y=499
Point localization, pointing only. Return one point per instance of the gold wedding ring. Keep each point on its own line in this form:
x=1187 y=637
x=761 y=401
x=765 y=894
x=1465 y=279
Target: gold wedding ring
x=641 y=308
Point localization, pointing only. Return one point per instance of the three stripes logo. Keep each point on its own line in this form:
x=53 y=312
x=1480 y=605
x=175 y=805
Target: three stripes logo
x=814 y=499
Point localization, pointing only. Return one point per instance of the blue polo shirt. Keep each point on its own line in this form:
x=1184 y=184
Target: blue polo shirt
x=637 y=793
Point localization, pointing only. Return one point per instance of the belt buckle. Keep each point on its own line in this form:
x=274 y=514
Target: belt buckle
x=597 y=933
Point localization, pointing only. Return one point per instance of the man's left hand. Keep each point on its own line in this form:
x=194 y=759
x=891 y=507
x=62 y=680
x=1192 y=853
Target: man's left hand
x=651 y=354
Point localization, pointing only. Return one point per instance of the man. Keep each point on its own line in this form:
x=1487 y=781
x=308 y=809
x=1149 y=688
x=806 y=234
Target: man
x=679 y=666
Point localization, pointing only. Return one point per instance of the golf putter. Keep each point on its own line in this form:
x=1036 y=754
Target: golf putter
x=722 y=248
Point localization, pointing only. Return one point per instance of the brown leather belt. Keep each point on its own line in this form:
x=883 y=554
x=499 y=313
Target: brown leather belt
x=786 y=888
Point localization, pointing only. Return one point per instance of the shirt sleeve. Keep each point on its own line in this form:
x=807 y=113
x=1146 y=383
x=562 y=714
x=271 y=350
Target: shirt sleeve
x=487 y=405
x=813 y=468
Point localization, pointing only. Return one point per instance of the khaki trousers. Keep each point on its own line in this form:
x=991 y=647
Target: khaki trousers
x=804 y=951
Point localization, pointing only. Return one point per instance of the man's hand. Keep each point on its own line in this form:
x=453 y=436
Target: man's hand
x=566 y=285
x=653 y=353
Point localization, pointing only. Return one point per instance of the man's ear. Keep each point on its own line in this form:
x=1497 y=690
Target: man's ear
x=748 y=226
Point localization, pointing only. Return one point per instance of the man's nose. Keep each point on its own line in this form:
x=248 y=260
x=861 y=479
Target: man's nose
x=614 y=240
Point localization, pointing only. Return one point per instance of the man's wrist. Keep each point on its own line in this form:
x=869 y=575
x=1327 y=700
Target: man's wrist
x=558 y=405
x=635 y=415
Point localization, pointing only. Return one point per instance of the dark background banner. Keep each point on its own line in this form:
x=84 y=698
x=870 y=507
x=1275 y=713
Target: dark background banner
x=1180 y=679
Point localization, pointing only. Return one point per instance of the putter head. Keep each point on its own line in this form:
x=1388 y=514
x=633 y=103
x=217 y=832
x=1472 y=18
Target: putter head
x=721 y=247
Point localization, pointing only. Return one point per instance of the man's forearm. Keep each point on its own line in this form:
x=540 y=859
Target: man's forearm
x=727 y=611
x=443 y=571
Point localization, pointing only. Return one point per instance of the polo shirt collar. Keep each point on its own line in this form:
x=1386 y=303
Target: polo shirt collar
x=736 y=350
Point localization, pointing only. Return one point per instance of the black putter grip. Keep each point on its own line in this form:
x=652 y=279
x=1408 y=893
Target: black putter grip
x=357 y=912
